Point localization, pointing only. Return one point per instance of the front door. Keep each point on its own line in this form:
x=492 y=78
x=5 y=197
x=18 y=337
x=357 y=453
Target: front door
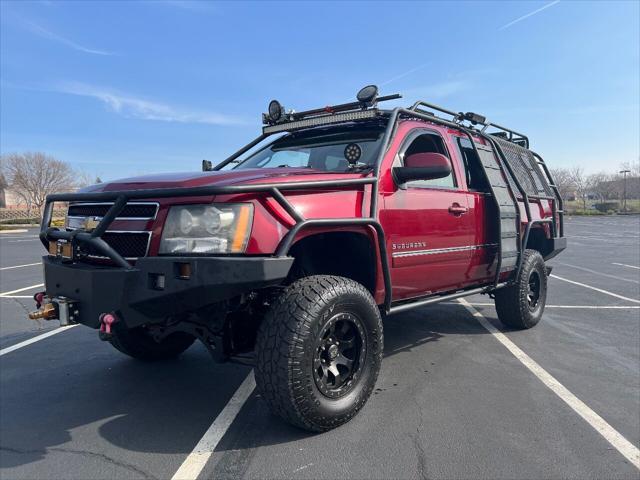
x=429 y=231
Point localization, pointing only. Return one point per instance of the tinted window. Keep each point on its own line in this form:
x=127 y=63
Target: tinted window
x=474 y=173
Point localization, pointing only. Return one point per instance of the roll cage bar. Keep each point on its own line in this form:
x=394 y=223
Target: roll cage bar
x=326 y=116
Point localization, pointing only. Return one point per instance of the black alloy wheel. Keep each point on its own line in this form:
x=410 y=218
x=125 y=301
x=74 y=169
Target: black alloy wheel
x=340 y=354
x=533 y=295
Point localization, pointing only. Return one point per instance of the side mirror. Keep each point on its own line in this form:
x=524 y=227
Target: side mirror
x=422 y=166
x=207 y=166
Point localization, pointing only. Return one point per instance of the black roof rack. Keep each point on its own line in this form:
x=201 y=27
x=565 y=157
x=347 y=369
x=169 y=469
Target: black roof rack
x=279 y=120
x=476 y=119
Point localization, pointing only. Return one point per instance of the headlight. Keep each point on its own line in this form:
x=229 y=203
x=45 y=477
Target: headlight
x=212 y=228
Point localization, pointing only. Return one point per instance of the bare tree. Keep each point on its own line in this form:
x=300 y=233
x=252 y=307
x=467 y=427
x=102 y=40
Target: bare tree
x=83 y=179
x=633 y=167
x=580 y=183
x=562 y=179
x=34 y=175
x=604 y=185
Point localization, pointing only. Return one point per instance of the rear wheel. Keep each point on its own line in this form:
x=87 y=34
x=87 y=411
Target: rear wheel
x=138 y=343
x=522 y=304
x=319 y=350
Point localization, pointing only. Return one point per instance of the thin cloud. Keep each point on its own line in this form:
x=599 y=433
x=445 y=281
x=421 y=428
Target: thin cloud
x=134 y=107
x=530 y=14
x=438 y=91
x=405 y=74
x=192 y=5
x=48 y=34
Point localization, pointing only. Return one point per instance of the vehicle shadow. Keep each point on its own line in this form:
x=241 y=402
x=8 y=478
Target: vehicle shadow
x=62 y=398
x=404 y=332
x=160 y=408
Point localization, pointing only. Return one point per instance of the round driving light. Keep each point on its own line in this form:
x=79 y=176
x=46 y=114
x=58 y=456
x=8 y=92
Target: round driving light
x=275 y=110
x=186 y=222
x=367 y=94
x=352 y=152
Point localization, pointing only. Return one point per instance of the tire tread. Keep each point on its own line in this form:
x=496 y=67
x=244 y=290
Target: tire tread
x=280 y=347
x=511 y=302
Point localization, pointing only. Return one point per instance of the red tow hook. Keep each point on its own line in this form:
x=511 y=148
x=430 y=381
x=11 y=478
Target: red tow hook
x=106 y=322
x=39 y=298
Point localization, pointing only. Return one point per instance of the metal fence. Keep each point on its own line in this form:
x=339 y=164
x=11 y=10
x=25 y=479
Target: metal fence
x=12 y=214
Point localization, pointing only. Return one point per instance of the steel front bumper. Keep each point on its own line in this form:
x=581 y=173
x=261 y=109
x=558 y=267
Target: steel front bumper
x=158 y=287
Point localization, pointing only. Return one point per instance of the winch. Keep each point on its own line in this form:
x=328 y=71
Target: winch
x=51 y=308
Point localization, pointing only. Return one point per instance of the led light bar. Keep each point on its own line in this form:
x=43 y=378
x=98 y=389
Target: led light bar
x=321 y=120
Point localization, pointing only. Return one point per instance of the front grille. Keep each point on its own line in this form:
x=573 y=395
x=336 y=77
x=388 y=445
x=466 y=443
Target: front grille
x=130 y=211
x=127 y=244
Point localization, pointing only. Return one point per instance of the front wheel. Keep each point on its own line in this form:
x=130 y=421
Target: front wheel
x=319 y=350
x=521 y=305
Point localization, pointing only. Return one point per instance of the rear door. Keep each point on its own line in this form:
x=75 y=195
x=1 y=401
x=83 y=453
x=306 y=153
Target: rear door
x=429 y=231
x=482 y=212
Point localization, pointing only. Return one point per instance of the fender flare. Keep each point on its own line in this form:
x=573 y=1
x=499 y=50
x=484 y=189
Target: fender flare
x=287 y=241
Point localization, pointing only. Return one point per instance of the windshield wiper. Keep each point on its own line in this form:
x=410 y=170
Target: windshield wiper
x=360 y=167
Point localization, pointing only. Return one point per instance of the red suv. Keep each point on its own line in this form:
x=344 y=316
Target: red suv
x=289 y=254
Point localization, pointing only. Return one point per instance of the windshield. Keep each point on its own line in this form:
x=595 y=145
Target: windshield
x=331 y=150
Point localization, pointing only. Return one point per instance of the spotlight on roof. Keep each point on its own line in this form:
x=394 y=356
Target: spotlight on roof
x=367 y=95
x=475 y=118
x=276 y=111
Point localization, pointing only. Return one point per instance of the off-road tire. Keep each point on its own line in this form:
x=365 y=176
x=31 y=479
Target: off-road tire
x=137 y=343
x=513 y=303
x=286 y=349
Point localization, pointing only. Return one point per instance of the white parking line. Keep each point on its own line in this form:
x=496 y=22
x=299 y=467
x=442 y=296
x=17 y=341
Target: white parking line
x=597 y=307
x=19 y=241
x=7 y=237
x=21 y=266
x=587 y=307
x=625 y=265
x=595 y=272
x=596 y=289
x=15 y=347
x=197 y=459
x=16 y=296
x=624 y=446
x=4 y=294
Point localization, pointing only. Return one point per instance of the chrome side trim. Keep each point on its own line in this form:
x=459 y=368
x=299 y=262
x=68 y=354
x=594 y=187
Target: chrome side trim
x=435 y=251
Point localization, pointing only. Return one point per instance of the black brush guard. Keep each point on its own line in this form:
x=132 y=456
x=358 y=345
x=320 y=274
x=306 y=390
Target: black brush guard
x=94 y=239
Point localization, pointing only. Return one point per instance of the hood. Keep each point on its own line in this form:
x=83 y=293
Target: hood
x=219 y=178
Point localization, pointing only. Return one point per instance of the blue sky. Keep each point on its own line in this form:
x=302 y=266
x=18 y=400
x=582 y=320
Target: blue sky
x=124 y=88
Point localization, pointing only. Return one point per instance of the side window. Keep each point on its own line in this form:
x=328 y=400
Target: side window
x=476 y=179
x=430 y=143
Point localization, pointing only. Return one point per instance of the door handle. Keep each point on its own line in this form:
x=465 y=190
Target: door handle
x=457 y=209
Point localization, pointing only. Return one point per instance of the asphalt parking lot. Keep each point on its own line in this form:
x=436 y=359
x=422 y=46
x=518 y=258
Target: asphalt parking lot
x=452 y=400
